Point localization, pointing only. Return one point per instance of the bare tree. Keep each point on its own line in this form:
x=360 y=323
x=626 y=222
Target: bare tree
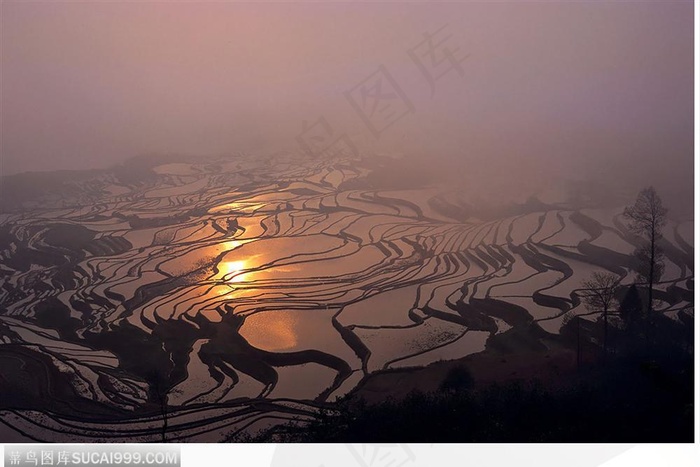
x=159 y=389
x=631 y=309
x=600 y=295
x=646 y=218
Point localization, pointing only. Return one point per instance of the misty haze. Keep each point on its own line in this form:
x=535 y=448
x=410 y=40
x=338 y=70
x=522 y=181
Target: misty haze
x=460 y=222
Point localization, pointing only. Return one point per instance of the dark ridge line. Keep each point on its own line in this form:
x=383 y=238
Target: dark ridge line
x=560 y=218
x=422 y=352
x=589 y=225
x=689 y=250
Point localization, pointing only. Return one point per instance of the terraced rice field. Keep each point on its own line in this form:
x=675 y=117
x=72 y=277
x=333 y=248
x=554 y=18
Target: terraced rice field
x=235 y=294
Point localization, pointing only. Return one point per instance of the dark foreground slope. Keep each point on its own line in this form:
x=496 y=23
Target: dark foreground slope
x=642 y=393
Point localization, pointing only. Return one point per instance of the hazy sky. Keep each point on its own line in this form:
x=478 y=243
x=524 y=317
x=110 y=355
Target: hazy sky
x=547 y=89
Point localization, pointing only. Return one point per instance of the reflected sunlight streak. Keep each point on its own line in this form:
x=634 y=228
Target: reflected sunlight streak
x=234 y=271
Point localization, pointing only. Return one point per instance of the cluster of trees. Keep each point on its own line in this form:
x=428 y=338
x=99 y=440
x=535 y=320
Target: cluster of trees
x=634 y=304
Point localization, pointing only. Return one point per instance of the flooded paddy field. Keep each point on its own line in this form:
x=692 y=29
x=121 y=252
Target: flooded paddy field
x=233 y=294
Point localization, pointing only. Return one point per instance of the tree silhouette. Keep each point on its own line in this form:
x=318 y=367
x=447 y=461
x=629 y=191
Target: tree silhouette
x=631 y=309
x=599 y=295
x=458 y=379
x=158 y=385
x=646 y=218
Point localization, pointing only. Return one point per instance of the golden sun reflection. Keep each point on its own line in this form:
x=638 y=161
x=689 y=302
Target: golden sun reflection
x=240 y=206
x=234 y=271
